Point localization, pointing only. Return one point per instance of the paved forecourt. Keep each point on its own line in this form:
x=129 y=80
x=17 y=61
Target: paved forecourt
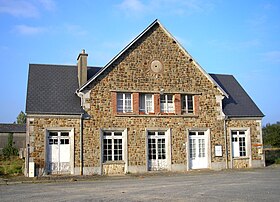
x=234 y=185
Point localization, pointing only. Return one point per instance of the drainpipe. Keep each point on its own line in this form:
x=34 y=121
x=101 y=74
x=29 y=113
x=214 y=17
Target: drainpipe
x=225 y=136
x=81 y=145
x=27 y=160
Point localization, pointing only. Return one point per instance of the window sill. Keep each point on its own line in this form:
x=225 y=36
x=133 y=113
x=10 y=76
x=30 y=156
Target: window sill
x=158 y=115
x=241 y=158
x=113 y=162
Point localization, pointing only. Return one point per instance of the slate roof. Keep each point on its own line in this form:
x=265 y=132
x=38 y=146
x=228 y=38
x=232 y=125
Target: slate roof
x=239 y=103
x=51 y=89
x=12 y=128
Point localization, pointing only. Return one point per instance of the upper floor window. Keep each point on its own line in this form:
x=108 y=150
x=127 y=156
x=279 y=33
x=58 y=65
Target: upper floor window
x=238 y=143
x=167 y=103
x=187 y=104
x=146 y=103
x=124 y=102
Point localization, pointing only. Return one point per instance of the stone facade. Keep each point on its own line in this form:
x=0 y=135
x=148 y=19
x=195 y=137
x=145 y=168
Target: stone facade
x=132 y=73
x=37 y=138
x=255 y=154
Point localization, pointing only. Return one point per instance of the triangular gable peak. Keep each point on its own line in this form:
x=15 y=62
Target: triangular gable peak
x=156 y=22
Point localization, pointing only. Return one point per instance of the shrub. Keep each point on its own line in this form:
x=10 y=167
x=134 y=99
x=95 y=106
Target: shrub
x=9 y=150
x=11 y=166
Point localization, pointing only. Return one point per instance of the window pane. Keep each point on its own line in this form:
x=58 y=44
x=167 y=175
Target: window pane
x=64 y=134
x=200 y=133
x=117 y=133
x=161 y=133
x=151 y=133
x=120 y=102
x=142 y=103
x=234 y=132
x=241 y=132
x=107 y=150
x=190 y=103
x=149 y=103
x=184 y=104
x=192 y=148
x=53 y=133
x=107 y=134
x=128 y=103
x=151 y=149
x=117 y=149
x=191 y=133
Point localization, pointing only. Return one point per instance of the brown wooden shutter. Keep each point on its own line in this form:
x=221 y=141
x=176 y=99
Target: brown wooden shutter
x=196 y=104
x=177 y=102
x=135 y=99
x=114 y=102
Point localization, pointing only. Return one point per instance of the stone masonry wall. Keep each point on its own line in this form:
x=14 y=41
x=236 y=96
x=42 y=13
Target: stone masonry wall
x=37 y=137
x=255 y=134
x=132 y=73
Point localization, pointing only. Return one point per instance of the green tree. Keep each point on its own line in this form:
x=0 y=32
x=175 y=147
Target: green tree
x=9 y=150
x=271 y=135
x=21 y=118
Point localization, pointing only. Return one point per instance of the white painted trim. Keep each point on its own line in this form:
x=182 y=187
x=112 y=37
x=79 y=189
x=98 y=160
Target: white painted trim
x=125 y=144
x=208 y=150
x=168 y=137
x=135 y=40
x=248 y=146
x=72 y=146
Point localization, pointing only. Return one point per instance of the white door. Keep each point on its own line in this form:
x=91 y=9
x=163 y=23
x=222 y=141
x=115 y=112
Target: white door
x=58 y=155
x=198 y=148
x=157 y=150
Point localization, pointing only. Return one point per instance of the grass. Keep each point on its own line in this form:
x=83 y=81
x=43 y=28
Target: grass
x=11 y=166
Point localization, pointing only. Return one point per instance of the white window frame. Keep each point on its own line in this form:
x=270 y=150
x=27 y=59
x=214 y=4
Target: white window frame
x=144 y=100
x=168 y=135
x=71 y=142
x=122 y=105
x=124 y=148
x=113 y=149
x=235 y=142
x=186 y=104
x=165 y=105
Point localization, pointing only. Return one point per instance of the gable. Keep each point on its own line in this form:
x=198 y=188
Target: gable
x=155 y=43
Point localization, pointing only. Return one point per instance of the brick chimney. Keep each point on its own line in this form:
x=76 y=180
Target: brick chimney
x=82 y=67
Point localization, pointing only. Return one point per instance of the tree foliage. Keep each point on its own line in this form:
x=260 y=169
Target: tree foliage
x=21 y=118
x=271 y=135
x=9 y=150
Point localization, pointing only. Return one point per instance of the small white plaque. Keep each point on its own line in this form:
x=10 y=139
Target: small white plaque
x=218 y=150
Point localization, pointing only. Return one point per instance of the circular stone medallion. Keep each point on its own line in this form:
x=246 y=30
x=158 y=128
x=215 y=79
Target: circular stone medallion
x=156 y=66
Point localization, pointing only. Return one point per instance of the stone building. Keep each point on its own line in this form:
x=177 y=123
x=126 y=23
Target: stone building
x=151 y=108
x=19 y=136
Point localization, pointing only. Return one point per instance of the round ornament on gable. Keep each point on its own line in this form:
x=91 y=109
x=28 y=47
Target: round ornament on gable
x=156 y=66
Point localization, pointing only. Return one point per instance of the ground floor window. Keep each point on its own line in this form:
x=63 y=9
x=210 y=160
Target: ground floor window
x=113 y=142
x=239 y=143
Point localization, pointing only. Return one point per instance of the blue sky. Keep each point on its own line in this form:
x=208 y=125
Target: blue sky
x=231 y=37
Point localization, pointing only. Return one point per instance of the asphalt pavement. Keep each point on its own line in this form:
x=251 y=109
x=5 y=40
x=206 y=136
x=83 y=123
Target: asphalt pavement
x=261 y=184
